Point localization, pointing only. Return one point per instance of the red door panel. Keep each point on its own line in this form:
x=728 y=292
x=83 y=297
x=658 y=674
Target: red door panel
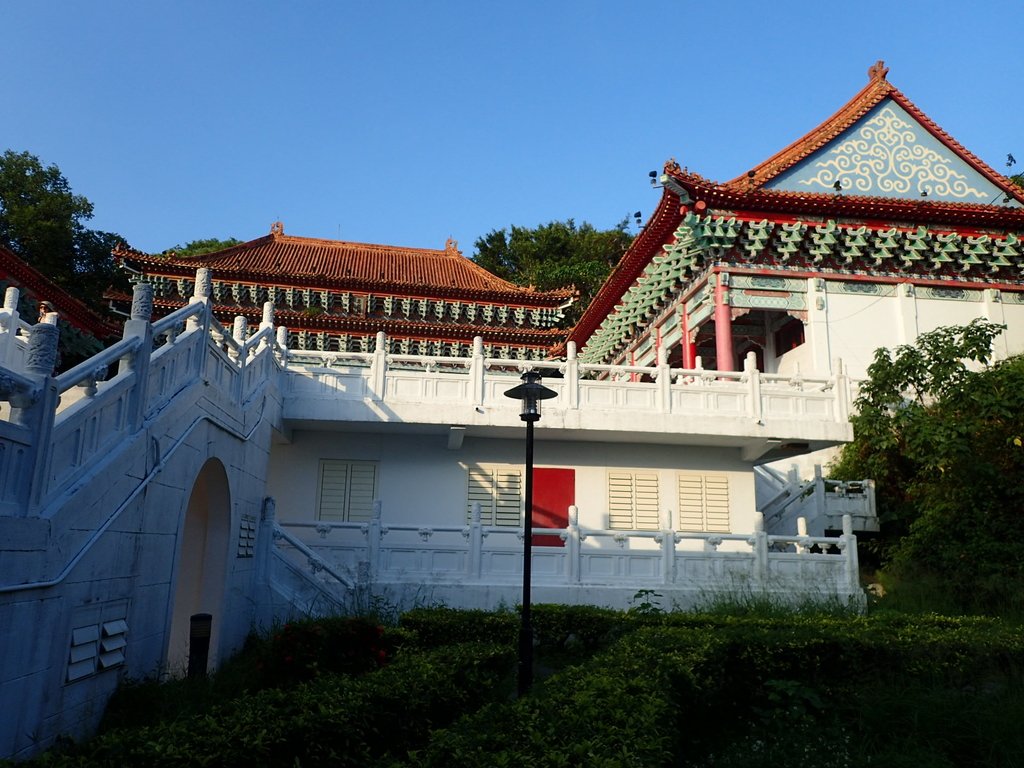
x=554 y=491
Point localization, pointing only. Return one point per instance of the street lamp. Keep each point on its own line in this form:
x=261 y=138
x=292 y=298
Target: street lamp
x=530 y=393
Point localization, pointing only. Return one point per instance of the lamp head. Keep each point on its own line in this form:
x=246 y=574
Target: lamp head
x=530 y=393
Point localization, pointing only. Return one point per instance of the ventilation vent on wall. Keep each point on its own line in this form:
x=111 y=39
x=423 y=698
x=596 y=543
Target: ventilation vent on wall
x=99 y=646
x=247 y=536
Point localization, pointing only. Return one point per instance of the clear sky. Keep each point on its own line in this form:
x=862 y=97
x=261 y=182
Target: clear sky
x=408 y=122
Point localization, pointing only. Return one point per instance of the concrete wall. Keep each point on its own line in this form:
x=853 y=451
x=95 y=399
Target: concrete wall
x=128 y=572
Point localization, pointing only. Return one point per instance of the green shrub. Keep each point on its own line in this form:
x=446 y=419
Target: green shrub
x=333 y=720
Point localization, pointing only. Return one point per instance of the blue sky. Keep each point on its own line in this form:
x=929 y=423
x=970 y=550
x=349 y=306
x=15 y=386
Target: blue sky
x=408 y=122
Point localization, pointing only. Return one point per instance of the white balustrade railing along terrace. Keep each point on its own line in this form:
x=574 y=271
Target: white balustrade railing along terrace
x=474 y=554
x=478 y=380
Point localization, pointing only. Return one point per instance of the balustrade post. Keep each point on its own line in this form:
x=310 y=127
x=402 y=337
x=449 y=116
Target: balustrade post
x=476 y=370
x=282 y=339
x=264 y=546
x=572 y=375
x=379 y=368
x=848 y=546
x=802 y=546
x=137 y=363
x=842 y=391
x=754 y=376
x=374 y=532
x=573 y=553
x=664 y=376
x=668 y=555
x=475 y=563
x=819 y=494
x=9 y=319
x=759 y=545
x=36 y=410
x=201 y=295
x=266 y=322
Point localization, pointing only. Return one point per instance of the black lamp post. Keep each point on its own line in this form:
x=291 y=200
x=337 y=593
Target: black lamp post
x=530 y=392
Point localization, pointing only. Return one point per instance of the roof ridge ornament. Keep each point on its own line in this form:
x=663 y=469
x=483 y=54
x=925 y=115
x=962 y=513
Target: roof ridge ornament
x=877 y=71
x=277 y=228
x=451 y=247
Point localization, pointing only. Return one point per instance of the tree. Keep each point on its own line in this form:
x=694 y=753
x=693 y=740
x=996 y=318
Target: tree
x=43 y=222
x=941 y=430
x=554 y=255
x=201 y=247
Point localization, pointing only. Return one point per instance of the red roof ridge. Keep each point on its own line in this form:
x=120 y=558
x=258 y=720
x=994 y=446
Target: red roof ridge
x=73 y=310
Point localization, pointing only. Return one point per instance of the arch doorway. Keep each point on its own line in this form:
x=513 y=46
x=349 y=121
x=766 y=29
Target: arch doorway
x=201 y=563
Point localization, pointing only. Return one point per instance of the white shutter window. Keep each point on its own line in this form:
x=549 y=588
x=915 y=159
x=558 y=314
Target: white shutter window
x=633 y=501
x=498 y=491
x=703 y=503
x=347 y=491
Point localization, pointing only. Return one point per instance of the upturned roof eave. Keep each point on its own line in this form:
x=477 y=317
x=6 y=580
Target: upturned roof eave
x=656 y=231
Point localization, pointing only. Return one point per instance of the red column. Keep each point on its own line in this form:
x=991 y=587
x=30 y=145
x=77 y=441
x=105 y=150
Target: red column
x=723 y=327
x=689 y=348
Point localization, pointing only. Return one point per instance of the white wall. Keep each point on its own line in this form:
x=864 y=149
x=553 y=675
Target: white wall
x=858 y=324
x=420 y=481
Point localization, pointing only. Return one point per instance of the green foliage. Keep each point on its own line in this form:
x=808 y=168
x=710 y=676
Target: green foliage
x=942 y=438
x=554 y=255
x=43 y=222
x=667 y=689
x=331 y=721
x=301 y=651
x=201 y=247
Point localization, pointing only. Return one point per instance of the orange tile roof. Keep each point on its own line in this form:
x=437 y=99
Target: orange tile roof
x=282 y=259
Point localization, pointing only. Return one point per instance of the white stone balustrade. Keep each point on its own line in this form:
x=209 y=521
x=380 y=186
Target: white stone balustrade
x=53 y=428
x=746 y=406
x=683 y=564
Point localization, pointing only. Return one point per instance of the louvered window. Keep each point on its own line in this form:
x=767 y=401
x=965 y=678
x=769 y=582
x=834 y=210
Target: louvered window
x=499 y=491
x=703 y=503
x=633 y=501
x=347 y=491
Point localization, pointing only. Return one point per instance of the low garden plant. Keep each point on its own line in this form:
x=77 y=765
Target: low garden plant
x=641 y=688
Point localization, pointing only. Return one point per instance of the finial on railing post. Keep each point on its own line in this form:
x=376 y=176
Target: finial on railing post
x=142 y=302
x=380 y=341
x=204 y=284
x=570 y=350
x=50 y=318
x=282 y=337
x=41 y=354
x=11 y=296
x=268 y=315
x=239 y=329
x=750 y=361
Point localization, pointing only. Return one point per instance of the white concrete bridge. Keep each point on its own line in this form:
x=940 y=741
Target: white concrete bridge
x=135 y=492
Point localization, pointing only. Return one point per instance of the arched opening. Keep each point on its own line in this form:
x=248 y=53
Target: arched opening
x=201 y=566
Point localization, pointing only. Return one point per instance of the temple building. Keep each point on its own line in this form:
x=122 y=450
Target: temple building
x=871 y=229
x=352 y=438
x=335 y=296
